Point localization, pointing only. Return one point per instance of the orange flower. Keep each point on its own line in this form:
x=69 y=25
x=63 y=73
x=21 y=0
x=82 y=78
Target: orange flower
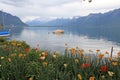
x=91 y=78
x=85 y=65
x=73 y=51
x=98 y=50
x=118 y=53
x=7 y=49
x=21 y=55
x=80 y=53
x=114 y=63
x=100 y=56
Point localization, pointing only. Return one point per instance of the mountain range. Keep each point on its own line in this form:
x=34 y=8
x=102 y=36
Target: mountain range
x=111 y=18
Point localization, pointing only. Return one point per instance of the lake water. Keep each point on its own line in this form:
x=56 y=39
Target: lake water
x=49 y=41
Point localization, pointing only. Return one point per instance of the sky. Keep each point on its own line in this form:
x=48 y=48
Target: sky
x=51 y=9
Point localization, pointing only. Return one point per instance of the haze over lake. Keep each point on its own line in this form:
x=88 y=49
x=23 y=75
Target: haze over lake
x=49 y=41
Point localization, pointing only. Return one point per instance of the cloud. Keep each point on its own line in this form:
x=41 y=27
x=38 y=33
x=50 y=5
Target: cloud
x=16 y=3
x=31 y=9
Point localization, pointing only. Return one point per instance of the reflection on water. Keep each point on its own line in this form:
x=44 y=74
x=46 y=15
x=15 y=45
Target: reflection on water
x=47 y=40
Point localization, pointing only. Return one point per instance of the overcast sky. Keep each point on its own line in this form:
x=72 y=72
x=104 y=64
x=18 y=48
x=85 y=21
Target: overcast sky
x=50 y=9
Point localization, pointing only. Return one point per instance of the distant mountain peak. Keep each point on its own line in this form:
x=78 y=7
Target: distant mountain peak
x=93 y=19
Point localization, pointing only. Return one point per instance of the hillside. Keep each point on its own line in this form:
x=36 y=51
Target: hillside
x=10 y=19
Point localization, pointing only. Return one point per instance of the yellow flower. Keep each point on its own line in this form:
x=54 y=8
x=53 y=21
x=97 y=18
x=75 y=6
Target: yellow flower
x=42 y=57
x=56 y=54
x=31 y=78
x=65 y=65
x=86 y=58
x=13 y=43
x=9 y=60
x=43 y=53
x=110 y=73
x=91 y=78
x=76 y=60
x=19 y=44
x=114 y=63
x=102 y=76
x=79 y=77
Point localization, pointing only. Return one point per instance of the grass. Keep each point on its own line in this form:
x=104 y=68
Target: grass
x=18 y=61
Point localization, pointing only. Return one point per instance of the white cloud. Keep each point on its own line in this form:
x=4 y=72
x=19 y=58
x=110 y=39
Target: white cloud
x=30 y=9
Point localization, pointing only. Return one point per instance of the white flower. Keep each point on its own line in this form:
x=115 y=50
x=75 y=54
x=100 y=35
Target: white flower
x=2 y=57
x=110 y=73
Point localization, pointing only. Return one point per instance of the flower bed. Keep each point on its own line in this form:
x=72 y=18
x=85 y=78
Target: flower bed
x=20 y=62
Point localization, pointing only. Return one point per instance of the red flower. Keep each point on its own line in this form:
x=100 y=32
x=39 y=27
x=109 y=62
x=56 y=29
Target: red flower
x=85 y=65
x=46 y=54
x=36 y=49
x=104 y=68
x=7 y=49
x=27 y=49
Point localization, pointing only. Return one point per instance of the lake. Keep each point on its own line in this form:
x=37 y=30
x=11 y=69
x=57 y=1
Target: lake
x=73 y=37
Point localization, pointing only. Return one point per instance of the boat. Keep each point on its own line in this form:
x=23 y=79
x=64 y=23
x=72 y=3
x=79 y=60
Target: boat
x=58 y=31
x=3 y=32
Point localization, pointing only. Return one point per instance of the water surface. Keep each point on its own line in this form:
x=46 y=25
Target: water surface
x=49 y=41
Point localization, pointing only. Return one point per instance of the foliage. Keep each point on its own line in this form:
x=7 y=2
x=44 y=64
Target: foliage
x=20 y=62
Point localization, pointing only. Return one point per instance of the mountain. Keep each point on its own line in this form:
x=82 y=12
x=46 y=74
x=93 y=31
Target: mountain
x=111 y=18
x=10 y=19
x=35 y=22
